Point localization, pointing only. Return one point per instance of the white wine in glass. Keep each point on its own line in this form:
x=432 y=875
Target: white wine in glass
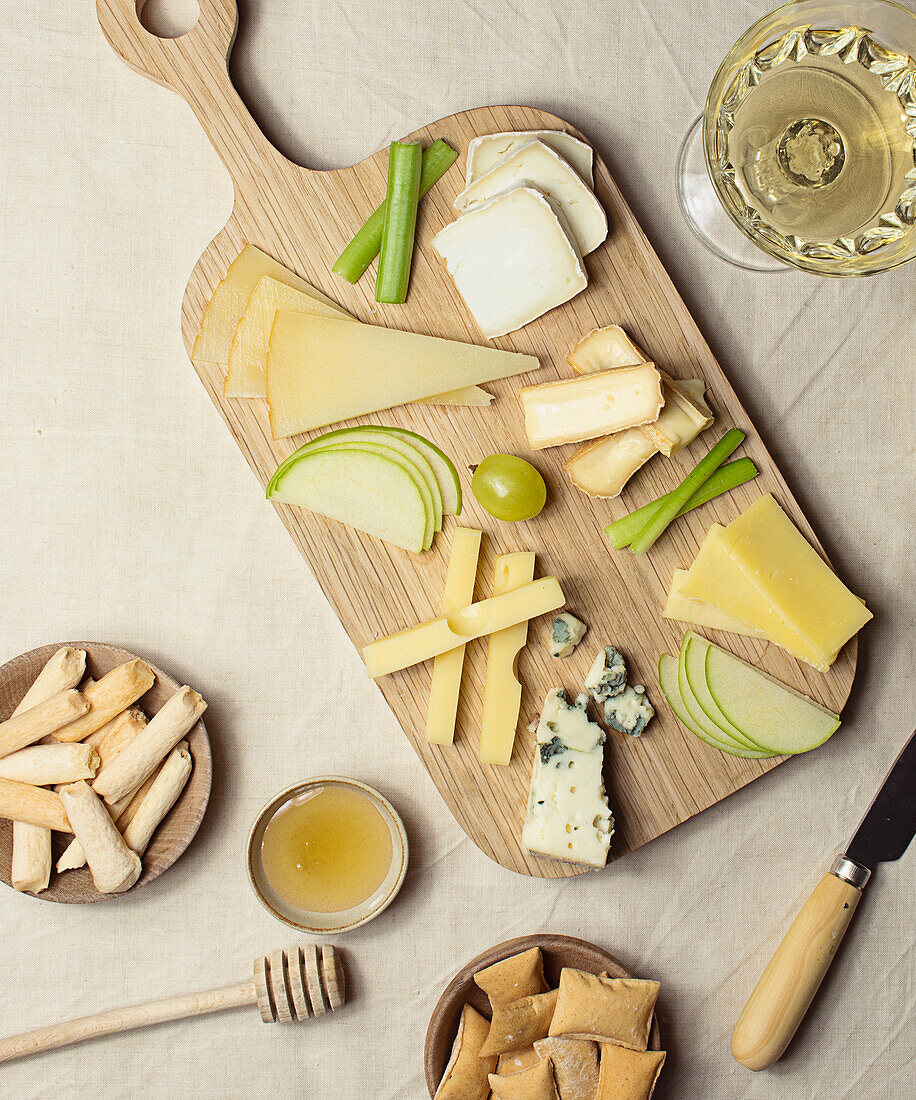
x=809 y=141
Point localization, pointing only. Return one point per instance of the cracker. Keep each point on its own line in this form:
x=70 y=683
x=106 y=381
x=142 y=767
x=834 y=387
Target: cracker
x=516 y=1060
x=575 y=1066
x=465 y=1076
x=628 y=1074
x=612 y=1010
x=534 y=1083
x=511 y=979
x=517 y=1025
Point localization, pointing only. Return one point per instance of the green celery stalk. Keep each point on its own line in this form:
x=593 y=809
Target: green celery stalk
x=678 y=497
x=365 y=246
x=622 y=531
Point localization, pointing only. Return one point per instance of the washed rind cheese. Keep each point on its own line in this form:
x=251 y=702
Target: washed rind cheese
x=487 y=151
x=513 y=259
x=568 y=816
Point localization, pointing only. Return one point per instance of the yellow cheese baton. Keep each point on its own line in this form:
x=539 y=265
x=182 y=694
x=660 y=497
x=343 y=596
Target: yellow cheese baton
x=428 y=640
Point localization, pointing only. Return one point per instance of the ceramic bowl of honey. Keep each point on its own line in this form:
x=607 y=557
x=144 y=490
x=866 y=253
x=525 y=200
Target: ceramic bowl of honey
x=327 y=855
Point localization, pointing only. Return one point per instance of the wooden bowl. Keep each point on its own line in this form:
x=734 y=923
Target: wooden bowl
x=558 y=951
x=177 y=830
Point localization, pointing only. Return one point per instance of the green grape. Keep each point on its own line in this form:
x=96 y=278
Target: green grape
x=509 y=488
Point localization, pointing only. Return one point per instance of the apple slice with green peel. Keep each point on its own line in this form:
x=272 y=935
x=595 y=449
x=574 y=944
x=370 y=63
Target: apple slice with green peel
x=692 y=668
x=442 y=465
x=346 y=437
x=768 y=712
x=667 y=678
x=700 y=718
x=359 y=487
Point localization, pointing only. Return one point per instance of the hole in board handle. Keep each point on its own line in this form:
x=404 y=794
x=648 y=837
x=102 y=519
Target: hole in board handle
x=168 y=18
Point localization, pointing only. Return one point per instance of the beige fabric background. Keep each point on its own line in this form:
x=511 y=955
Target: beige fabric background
x=130 y=516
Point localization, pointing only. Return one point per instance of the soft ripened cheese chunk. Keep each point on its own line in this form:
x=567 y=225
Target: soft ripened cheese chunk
x=603 y=467
x=485 y=152
x=537 y=165
x=568 y=816
x=512 y=260
x=321 y=370
x=591 y=405
x=604 y=348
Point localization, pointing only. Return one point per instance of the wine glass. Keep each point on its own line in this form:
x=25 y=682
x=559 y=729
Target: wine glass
x=805 y=153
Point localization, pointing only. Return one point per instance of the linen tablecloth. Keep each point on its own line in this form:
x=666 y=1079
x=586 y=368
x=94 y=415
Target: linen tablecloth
x=130 y=516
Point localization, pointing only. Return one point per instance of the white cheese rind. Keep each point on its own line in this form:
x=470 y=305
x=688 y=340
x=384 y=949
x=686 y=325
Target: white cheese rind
x=537 y=165
x=485 y=152
x=512 y=260
x=568 y=816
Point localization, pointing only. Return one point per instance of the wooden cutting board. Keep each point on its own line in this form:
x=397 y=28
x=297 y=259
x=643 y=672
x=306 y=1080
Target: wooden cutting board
x=304 y=218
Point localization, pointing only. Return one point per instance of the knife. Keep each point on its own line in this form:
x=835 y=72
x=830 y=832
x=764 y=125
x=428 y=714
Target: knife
x=786 y=988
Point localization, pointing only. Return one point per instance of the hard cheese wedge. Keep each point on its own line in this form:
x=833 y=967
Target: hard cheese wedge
x=503 y=692
x=512 y=260
x=781 y=565
x=447 y=667
x=487 y=151
x=321 y=370
x=687 y=610
x=428 y=640
x=591 y=405
x=537 y=165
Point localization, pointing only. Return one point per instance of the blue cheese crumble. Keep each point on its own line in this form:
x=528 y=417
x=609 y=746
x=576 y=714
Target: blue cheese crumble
x=607 y=676
x=629 y=711
x=565 y=635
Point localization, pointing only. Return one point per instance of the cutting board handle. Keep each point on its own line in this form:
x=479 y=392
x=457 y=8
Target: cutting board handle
x=196 y=66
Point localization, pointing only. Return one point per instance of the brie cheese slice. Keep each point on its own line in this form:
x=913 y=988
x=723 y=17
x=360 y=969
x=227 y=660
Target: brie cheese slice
x=485 y=152
x=512 y=260
x=537 y=165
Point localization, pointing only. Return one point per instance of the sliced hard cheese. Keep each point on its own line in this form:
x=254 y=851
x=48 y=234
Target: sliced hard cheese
x=603 y=349
x=485 y=152
x=465 y=397
x=503 y=693
x=512 y=260
x=687 y=610
x=537 y=165
x=422 y=643
x=591 y=405
x=790 y=575
x=447 y=667
x=247 y=375
x=321 y=370
x=230 y=297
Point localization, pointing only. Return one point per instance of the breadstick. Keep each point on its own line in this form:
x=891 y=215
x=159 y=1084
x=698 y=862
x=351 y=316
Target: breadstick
x=139 y=759
x=114 y=866
x=43 y=765
x=34 y=805
x=161 y=797
x=107 y=697
x=47 y=717
x=30 y=866
x=115 y=737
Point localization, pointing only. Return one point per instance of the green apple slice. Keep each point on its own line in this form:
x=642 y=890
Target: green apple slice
x=692 y=668
x=442 y=465
x=770 y=713
x=667 y=678
x=359 y=487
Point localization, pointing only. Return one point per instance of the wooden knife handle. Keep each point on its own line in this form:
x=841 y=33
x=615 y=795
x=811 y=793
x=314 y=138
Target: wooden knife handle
x=786 y=988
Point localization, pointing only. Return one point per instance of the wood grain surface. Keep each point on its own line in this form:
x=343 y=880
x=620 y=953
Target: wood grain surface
x=557 y=951
x=177 y=830
x=304 y=218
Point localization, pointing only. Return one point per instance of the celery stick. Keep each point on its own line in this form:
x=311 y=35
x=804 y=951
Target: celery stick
x=399 y=231
x=678 y=497
x=622 y=531
x=362 y=250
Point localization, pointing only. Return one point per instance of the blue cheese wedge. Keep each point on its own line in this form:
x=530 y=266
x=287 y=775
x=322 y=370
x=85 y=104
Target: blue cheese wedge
x=607 y=676
x=485 y=152
x=565 y=634
x=629 y=711
x=512 y=259
x=568 y=816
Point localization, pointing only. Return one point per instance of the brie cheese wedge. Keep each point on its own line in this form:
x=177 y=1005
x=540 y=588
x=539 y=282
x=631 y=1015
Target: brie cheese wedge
x=485 y=152
x=512 y=260
x=537 y=165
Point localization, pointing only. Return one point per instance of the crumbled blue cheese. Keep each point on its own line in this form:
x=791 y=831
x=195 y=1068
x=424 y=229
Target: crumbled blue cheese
x=568 y=816
x=607 y=676
x=566 y=634
x=630 y=711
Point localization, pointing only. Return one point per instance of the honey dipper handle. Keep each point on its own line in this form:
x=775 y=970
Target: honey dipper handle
x=126 y=1019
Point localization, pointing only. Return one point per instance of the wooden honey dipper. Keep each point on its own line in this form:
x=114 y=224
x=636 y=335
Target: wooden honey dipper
x=287 y=985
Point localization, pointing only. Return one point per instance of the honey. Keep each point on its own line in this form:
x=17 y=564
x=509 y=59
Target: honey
x=327 y=850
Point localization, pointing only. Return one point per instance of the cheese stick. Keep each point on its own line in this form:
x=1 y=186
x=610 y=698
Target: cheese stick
x=114 y=866
x=46 y=717
x=30 y=866
x=110 y=734
x=107 y=697
x=46 y=764
x=34 y=805
x=125 y=809
x=166 y=728
x=161 y=797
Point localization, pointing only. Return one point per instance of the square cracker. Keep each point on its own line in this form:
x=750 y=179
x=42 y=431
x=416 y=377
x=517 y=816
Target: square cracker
x=611 y=1010
x=628 y=1074
x=511 y=979
x=534 y=1083
x=575 y=1066
x=516 y=1026
x=465 y=1076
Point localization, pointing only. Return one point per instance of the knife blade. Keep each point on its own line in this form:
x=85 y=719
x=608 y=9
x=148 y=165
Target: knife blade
x=787 y=986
